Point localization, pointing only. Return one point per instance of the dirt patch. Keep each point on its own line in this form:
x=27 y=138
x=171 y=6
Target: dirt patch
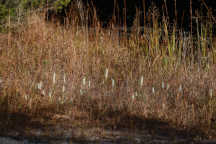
x=61 y=129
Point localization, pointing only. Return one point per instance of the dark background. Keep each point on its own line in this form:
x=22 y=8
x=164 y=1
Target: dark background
x=176 y=11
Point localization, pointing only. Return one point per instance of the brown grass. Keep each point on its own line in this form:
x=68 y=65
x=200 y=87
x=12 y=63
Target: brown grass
x=175 y=87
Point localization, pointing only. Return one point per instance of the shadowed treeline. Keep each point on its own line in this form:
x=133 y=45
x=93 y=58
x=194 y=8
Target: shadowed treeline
x=183 y=13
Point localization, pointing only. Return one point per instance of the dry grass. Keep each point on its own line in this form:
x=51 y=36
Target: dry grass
x=96 y=77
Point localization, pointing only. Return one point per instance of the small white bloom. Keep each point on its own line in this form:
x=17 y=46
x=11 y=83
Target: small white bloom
x=54 y=78
x=153 y=90
x=26 y=97
x=141 y=81
x=106 y=73
x=64 y=78
x=180 y=88
x=168 y=86
x=43 y=92
x=136 y=94
x=50 y=94
x=84 y=81
x=163 y=85
x=211 y=93
x=133 y=97
x=81 y=92
x=113 y=83
x=40 y=85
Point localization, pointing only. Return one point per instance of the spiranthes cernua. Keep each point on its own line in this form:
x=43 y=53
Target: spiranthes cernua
x=64 y=78
x=84 y=81
x=113 y=83
x=54 y=78
x=153 y=90
x=40 y=85
x=106 y=73
x=141 y=81
x=162 y=85
x=211 y=93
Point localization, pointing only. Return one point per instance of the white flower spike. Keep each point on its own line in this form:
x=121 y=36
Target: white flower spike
x=54 y=78
x=84 y=81
x=106 y=73
x=40 y=85
x=141 y=81
x=153 y=90
x=113 y=83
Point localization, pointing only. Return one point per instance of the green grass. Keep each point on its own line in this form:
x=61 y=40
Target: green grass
x=99 y=77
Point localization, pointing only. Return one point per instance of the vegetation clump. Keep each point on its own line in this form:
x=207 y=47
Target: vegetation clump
x=104 y=77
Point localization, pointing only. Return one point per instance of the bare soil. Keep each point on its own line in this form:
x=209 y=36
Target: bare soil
x=60 y=128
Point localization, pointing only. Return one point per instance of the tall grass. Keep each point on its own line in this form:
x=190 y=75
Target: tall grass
x=103 y=76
